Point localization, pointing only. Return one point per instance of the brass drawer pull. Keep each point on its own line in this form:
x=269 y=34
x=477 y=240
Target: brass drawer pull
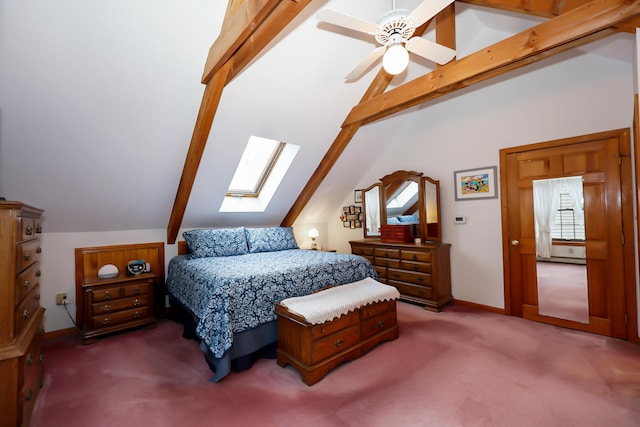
x=27 y=256
x=41 y=358
x=27 y=284
x=39 y=250
x=135 y=303
x=106 y=321
x=396 y=275
x=42 y=331
x=380 y=324
x=28 y=396
x=106 y=308
x=39 y=229
x=37 y=296
x=338 y=343
x=136 y=291
x=25 y=315
x=136 y=315
x=38 y=273
x=29 y=230
x=106 y=295
x=30 y=359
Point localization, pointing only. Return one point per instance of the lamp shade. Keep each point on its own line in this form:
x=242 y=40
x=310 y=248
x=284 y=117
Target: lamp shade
x=395 y=59
x=313 y=233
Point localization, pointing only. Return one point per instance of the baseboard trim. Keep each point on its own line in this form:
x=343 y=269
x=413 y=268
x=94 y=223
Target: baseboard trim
x=59 y=333
x=478 y=306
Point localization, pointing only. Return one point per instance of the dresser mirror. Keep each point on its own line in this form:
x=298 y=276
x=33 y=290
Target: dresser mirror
x=403 y=197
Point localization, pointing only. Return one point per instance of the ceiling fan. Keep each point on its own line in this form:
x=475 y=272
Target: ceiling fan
x=394 y=32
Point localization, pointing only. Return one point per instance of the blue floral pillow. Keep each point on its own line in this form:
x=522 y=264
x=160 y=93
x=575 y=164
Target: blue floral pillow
x=270 y=239
x=216 y=242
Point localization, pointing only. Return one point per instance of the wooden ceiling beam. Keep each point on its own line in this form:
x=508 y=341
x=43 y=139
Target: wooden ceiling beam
x=248 y=27
x=543 y=8
x=589 y=21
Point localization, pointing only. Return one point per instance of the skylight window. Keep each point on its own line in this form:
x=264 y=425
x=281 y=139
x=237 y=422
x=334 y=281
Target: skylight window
x=260 y=171
x=409 y=192
x=258 y=159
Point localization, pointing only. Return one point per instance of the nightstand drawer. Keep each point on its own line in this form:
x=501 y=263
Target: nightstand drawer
x=105 y=307
x=119 y=317
x=106 y=294
x=336 y=343
x=140 y=288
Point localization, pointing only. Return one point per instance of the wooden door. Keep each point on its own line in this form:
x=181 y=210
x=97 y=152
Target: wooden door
x=599 y=159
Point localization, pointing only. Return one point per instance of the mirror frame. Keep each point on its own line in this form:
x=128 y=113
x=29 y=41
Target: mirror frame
x=388 y=184
x=364 y=208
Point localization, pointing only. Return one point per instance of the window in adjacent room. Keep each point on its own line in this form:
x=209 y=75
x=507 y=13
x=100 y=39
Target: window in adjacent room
x=262 y=167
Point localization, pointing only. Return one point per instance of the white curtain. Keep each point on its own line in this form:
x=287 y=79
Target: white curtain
x=372 y=203
x=546 y=198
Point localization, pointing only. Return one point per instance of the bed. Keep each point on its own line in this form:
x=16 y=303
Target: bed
x=230 y=280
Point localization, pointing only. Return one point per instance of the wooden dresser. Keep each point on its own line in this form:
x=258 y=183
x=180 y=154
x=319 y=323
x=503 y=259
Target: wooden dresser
x=119 y=303
x=421 y=273
x=21 y=316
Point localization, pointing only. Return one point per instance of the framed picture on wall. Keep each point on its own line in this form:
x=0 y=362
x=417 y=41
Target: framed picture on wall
x=474 y=184
x=357 y=196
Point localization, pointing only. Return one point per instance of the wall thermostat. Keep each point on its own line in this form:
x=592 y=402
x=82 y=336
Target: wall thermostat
x=460 y=219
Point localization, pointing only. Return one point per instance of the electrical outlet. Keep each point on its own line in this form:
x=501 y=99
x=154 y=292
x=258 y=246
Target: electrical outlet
x=61 y=299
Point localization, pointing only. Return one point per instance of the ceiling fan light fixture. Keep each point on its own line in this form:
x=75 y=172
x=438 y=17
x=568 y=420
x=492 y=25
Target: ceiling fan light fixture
x=395 y=59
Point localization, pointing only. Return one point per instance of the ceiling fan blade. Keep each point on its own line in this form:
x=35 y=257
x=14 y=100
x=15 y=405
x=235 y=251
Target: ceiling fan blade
x=430 y=50
x=426 y=10
x=346 y=21
x=367 y=62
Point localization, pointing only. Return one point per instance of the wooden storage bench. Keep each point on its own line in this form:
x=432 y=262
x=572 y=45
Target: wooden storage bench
x=314 y=340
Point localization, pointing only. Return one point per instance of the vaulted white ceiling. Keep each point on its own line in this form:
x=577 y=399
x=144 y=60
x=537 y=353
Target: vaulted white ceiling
x=98 y=102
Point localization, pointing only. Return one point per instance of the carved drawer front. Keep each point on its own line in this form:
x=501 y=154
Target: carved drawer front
x=28 y=253
x=422 y=267
x=140 y=288
x=387 y=253
x=104 y=307
x=377 y=324
x=27 y=309
x=106 y=294
x=26 y=281
x=334 y=344
x=409 y=276
x=410 y=289
x=119 y=317
x=420 y=256
x=327 y=328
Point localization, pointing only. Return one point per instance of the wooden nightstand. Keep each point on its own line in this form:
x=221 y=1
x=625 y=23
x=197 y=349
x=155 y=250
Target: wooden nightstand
x=112 y=305
x=123 y=302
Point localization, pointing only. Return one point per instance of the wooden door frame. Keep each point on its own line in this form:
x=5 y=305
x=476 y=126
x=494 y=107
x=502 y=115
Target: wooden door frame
x=626 y=206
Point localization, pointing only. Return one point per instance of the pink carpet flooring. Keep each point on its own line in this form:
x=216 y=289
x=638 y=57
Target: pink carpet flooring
x=461 y=367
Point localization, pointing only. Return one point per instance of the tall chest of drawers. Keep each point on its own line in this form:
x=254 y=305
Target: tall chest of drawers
x=21 y=316
x=421 y=273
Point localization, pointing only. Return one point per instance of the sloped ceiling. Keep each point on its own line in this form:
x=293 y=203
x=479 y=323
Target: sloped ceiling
x=98 y=103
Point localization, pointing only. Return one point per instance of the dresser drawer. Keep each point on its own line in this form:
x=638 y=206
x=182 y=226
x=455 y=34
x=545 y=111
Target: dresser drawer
x=409 y=289
x=26 y=281
x=334 y=344
x=387 y=253
x=410 y=276
x=377 y=324
x=112 y=319
x=27 y=253
x=416 y=256
x=105 y=307
x=32 y=362
x=387 y=262
x=27 y=228
x=421 y=267
x=327 y=328
x=366 y=251
x=27 y=309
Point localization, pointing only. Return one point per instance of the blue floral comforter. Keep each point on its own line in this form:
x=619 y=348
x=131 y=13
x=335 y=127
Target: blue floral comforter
x=235 y=293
